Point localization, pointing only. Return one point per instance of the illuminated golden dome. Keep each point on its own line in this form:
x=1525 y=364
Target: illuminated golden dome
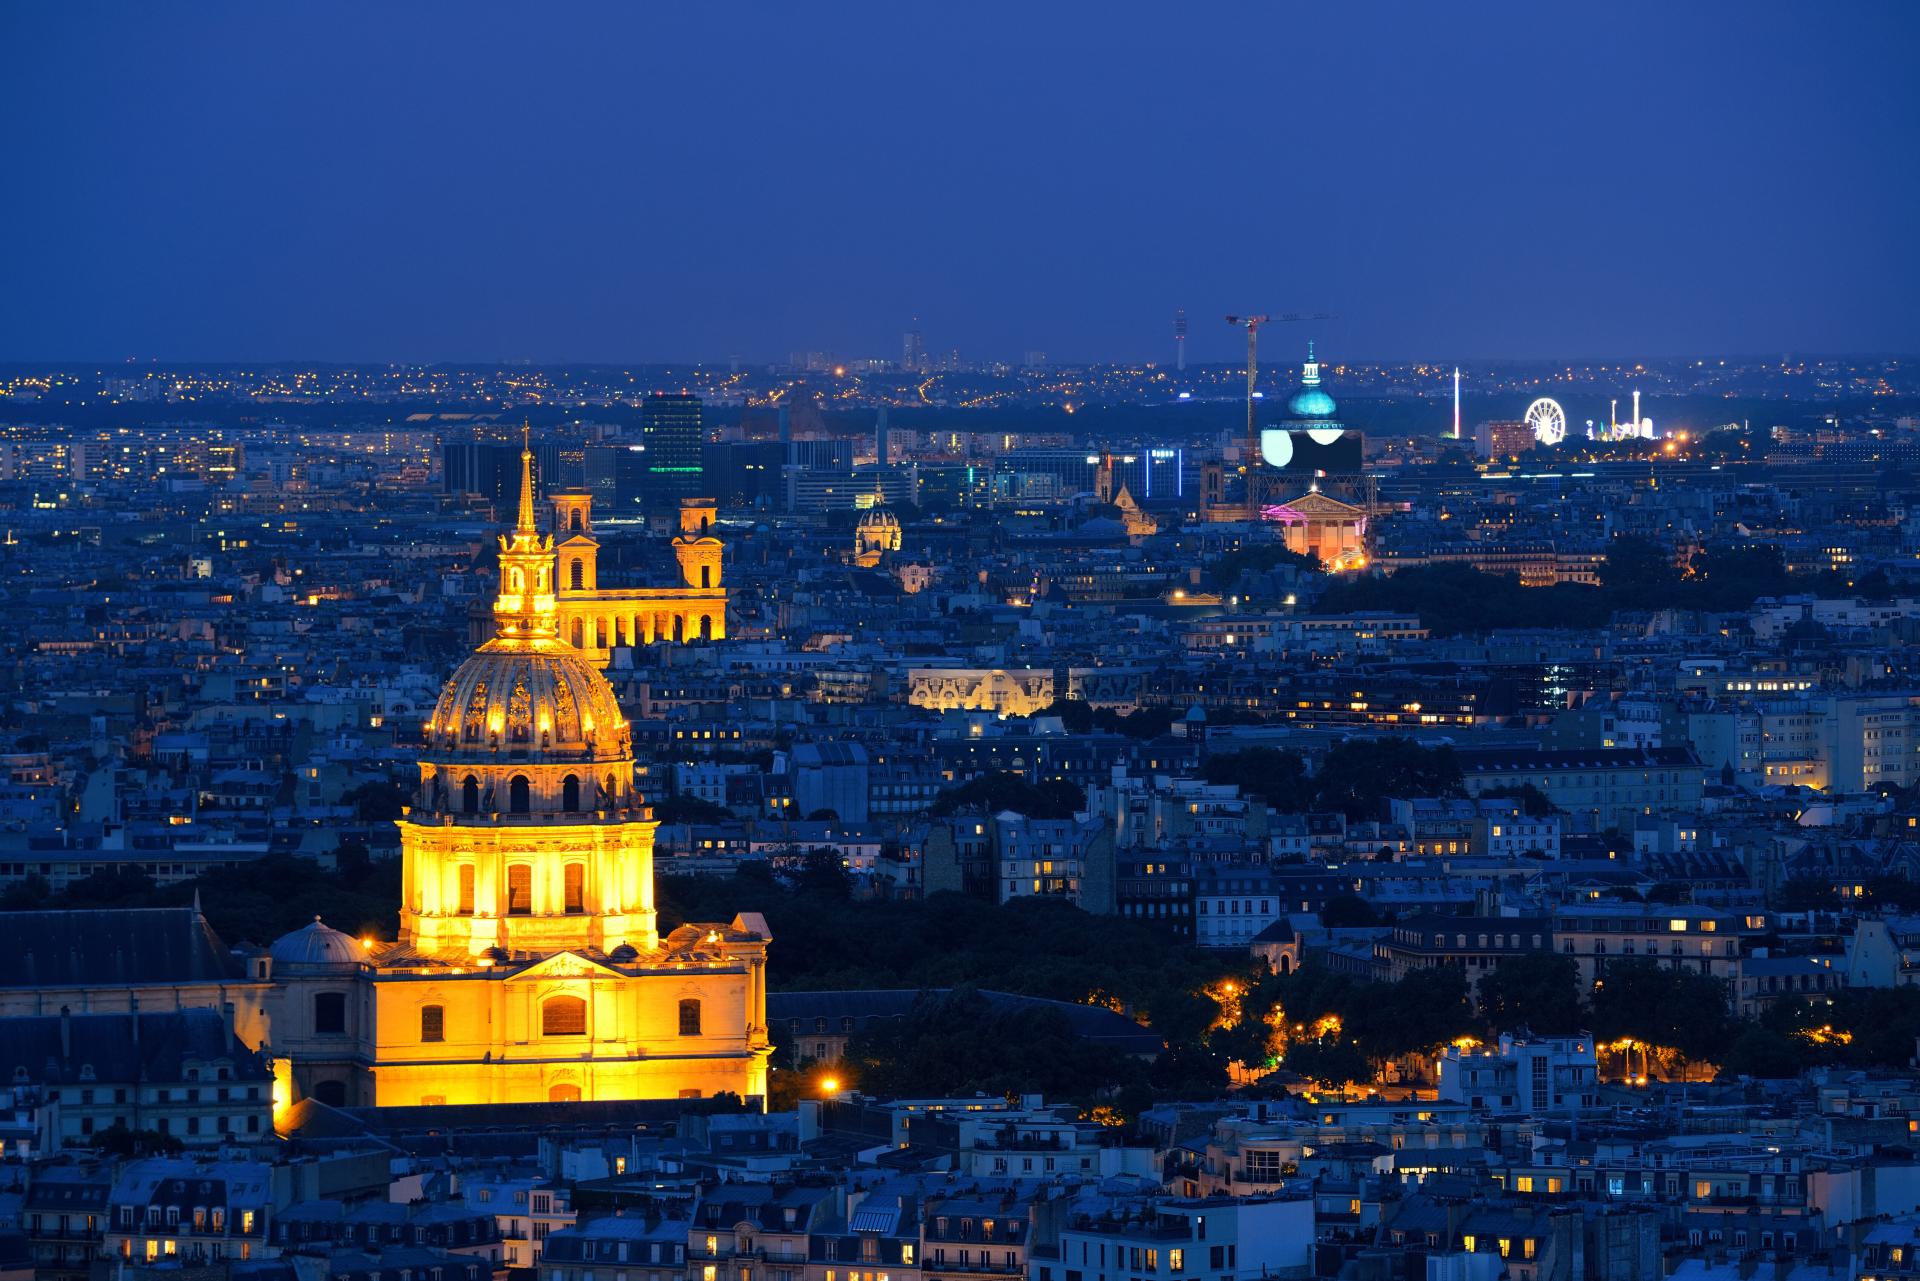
x=531 y=699
x=526 y=694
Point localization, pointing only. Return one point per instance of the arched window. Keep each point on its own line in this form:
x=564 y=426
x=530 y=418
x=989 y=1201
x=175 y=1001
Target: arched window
x=576 y=883
x=577 y=574
x=563 y=1016
x=519 y=889
x=519 y=795
x=433 y=1023
x=330 y=1013
x=579 y=635
x=516 y=580
x=470 y=795
x=706 y=627
x=563 y=1093
x=570 y=793
x=690 y=1017
x=576 y=520
x=466 y=889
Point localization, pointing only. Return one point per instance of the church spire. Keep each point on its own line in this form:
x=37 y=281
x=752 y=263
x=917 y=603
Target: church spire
x=524 y=609
x=525 y=524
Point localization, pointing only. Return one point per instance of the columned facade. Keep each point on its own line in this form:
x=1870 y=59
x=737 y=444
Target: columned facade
x=596 y=619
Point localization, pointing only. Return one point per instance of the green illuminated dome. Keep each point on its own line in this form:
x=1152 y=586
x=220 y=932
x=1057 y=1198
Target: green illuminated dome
x=1310 y=401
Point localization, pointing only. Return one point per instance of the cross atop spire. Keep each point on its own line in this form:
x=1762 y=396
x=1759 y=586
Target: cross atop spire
x=525 y=525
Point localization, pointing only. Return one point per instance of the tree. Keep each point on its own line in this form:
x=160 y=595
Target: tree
x=1763 y=1052
x=379 y=801
x=824 y=872
x=1054 y=798
x=1662 y=1006
x=1267 y=773
x=1456 y=599
x=1425 y=1009
x=1539 y=991
x=118 y=1140
x=681 y=808
x=1641 y=566
x=1348 y=911
x=1329 y=1060
x=27 y=895
x=1360 y=774
x=1225 y=571
x=1076 y=714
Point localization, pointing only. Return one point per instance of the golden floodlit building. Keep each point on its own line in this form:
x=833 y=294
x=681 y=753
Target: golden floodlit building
x=530 y=967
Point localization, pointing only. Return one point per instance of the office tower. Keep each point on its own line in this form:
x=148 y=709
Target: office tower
x=745 y=473
x=880 y=437
x=1180 y=340
x=616 y=476
x=913 y=350
x=671 y=430
x=492 y=471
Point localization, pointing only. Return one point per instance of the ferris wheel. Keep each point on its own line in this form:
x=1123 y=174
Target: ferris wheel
x=1548 y=420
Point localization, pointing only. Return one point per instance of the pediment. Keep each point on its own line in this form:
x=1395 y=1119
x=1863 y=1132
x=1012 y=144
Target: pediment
x=566 y=965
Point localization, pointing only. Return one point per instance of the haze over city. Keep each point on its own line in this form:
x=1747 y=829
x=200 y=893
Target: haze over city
x=688 y=183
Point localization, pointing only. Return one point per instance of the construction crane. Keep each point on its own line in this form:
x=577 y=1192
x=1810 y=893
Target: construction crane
x=1252 y=325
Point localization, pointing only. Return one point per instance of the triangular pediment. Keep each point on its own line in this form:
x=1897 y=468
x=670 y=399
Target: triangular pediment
x=1318 y=505
x=566 y=965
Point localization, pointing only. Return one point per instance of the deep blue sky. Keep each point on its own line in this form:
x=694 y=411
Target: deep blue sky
x=682 y=181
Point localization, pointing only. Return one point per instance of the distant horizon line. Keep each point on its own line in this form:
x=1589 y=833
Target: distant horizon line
x=1275 y=361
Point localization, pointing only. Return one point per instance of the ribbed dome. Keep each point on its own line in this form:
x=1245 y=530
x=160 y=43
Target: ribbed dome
x=318 y=944
x=879 y=518
x=1311 y=403
x=541 y=697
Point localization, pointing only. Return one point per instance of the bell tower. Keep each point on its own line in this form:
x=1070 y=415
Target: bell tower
x=579 y=550
x=695 y=547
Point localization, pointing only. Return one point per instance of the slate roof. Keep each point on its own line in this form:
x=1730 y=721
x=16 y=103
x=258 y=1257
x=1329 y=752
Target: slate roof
x=117 y=947
x=1481 y=760
x=32 y=1045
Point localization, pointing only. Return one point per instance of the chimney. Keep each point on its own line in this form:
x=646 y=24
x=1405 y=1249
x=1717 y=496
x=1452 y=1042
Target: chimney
x=66 y=1033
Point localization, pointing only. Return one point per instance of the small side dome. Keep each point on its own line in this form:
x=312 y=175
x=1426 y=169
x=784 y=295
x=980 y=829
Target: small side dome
x=318 y=944
x=624 y=953
x=499 y=955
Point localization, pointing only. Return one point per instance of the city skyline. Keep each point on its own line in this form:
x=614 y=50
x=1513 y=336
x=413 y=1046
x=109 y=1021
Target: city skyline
x=224 y=184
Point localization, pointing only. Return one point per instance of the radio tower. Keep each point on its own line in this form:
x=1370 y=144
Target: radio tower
x=1456 y=402
x=1180 y=340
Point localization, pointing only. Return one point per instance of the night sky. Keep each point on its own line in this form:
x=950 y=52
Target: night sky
x=648 y=182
